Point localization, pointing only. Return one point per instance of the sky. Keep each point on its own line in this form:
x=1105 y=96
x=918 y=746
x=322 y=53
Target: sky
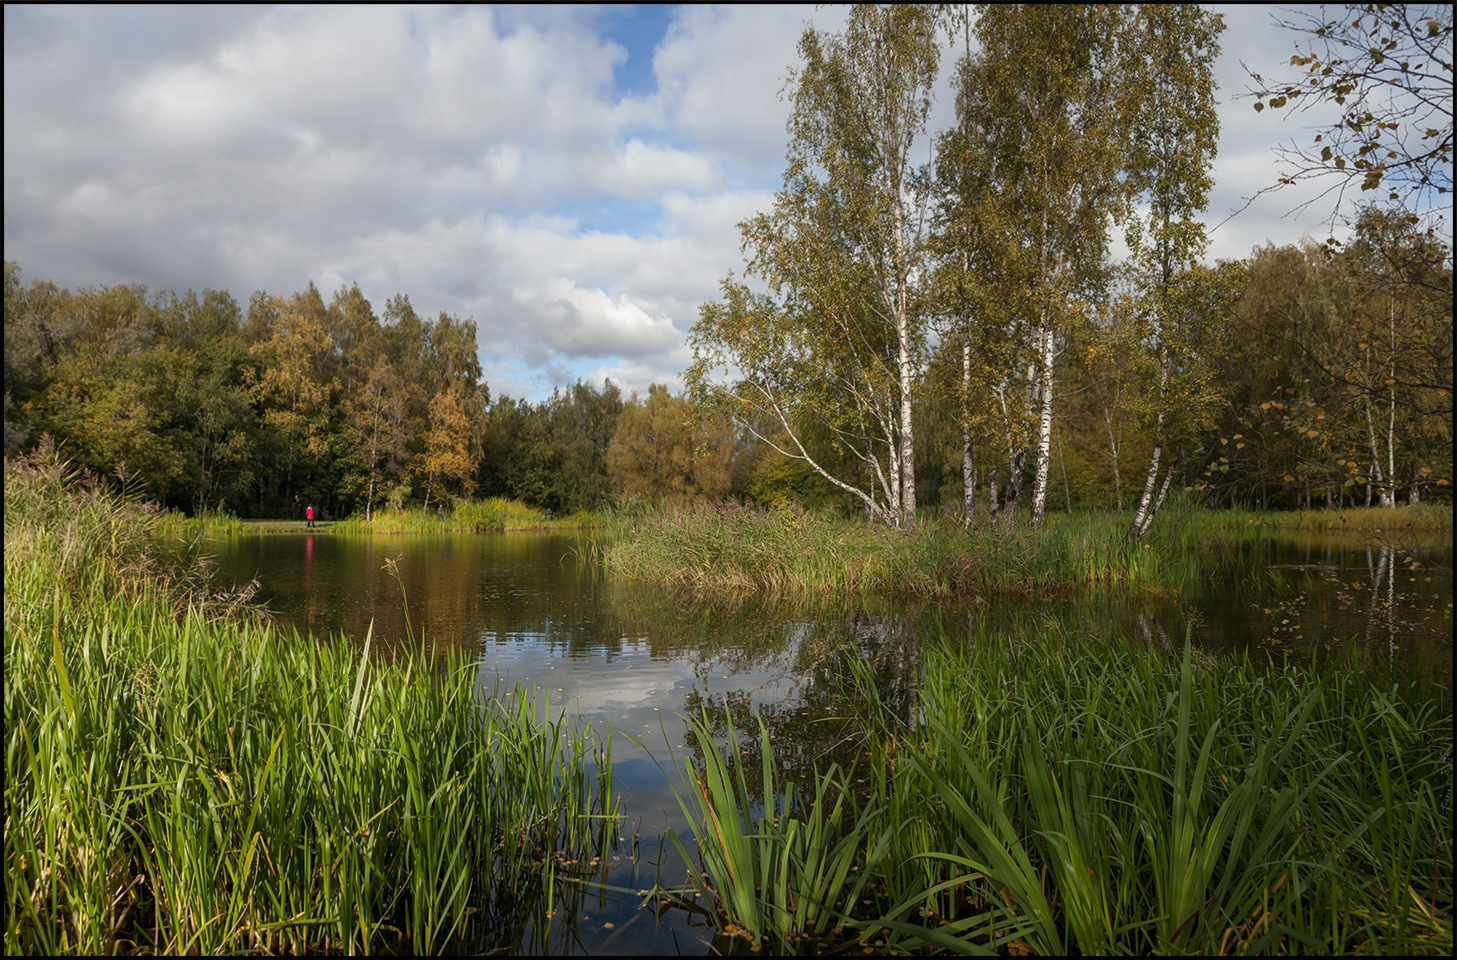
x=570 y=178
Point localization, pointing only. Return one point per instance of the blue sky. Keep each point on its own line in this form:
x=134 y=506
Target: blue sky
x=569 y=177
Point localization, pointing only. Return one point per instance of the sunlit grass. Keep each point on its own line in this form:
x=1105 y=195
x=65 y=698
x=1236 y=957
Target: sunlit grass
x=1103 y=801
x=180 y=779
x=213 y=523
x=1427 y=517
x=732 y=549
x=467 y=516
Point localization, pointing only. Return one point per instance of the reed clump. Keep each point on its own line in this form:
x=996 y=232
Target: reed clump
x=467 y=516
x=180 y=780
x=205 y=522
x=1104 y=802
x=787 y=550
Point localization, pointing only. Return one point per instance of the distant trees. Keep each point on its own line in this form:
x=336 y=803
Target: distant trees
x=1387 y=351
x=551 y=455
x=662 y=450
x=380 y=427
x=199 y=405
x=1339 y=384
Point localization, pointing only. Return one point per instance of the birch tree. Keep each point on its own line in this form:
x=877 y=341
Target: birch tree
x=838 y=337
x=1171 y=51
x=1052 y=107
x=979 y=282
x=380 y=426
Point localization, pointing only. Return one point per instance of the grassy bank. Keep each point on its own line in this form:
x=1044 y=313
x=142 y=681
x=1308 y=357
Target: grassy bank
x=467 y=516
x=791 y=551
x=1423 y=518
x=180 y=778
x=1103 y=802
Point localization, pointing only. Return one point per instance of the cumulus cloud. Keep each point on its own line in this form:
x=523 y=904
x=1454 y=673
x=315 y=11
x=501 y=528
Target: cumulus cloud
x=479 y=159
x=589 y=323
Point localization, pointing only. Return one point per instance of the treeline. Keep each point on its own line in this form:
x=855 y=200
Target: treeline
x=1322 y=379
x=199 y=403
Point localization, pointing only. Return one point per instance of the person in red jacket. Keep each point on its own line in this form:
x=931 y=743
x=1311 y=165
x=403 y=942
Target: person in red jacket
x=310 y=514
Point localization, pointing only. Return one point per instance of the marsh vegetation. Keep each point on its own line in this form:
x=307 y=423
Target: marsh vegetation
x=183 y=776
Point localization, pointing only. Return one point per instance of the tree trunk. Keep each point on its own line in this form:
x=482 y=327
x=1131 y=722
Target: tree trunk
x=908 y=448
x=992 y=496
x=1142 y=518
x=1135 y=529
x=1044 y=424
x=1388 y=499
x=1014 y=487
x=1113 y=446
x=1142 y=528
x=1163 y=492
x=901 y=310
x=373 y=463
x=968 y=467
x=894 y=499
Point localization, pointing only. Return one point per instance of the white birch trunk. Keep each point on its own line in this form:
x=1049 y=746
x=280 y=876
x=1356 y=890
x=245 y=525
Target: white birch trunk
x=968 y=468
x=893 y=506
x=1113 y=446
x=1044 y=425
x=1388 y=496
x=1389 y=499
x=1142 y=517
x=1135 y=530
x=1158 y=504
x=1378 y=479
x=906 y=370
x=908 y=448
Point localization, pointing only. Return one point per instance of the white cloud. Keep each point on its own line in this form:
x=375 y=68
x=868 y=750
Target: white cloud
x=478 y=159
x=589 y=323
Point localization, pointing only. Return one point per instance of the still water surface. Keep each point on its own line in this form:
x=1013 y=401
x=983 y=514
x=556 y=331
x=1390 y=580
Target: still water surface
x=632 y=659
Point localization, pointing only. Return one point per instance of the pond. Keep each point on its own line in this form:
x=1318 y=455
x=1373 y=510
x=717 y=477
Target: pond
x=538 y=619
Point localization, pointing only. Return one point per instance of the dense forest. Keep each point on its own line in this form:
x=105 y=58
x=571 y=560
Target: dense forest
x=199 y=403
x=955 y=337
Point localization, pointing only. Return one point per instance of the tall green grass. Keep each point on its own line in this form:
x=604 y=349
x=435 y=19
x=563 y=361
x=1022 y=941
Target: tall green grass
x=785 y=550
x=206 y=522
x=179 y=779
x=1426 y=517
x=1106 y=802
x=467 y=516
x=784 y=872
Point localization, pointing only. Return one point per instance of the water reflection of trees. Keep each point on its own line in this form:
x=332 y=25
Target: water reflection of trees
x=818 y=717
x=1389 y=596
